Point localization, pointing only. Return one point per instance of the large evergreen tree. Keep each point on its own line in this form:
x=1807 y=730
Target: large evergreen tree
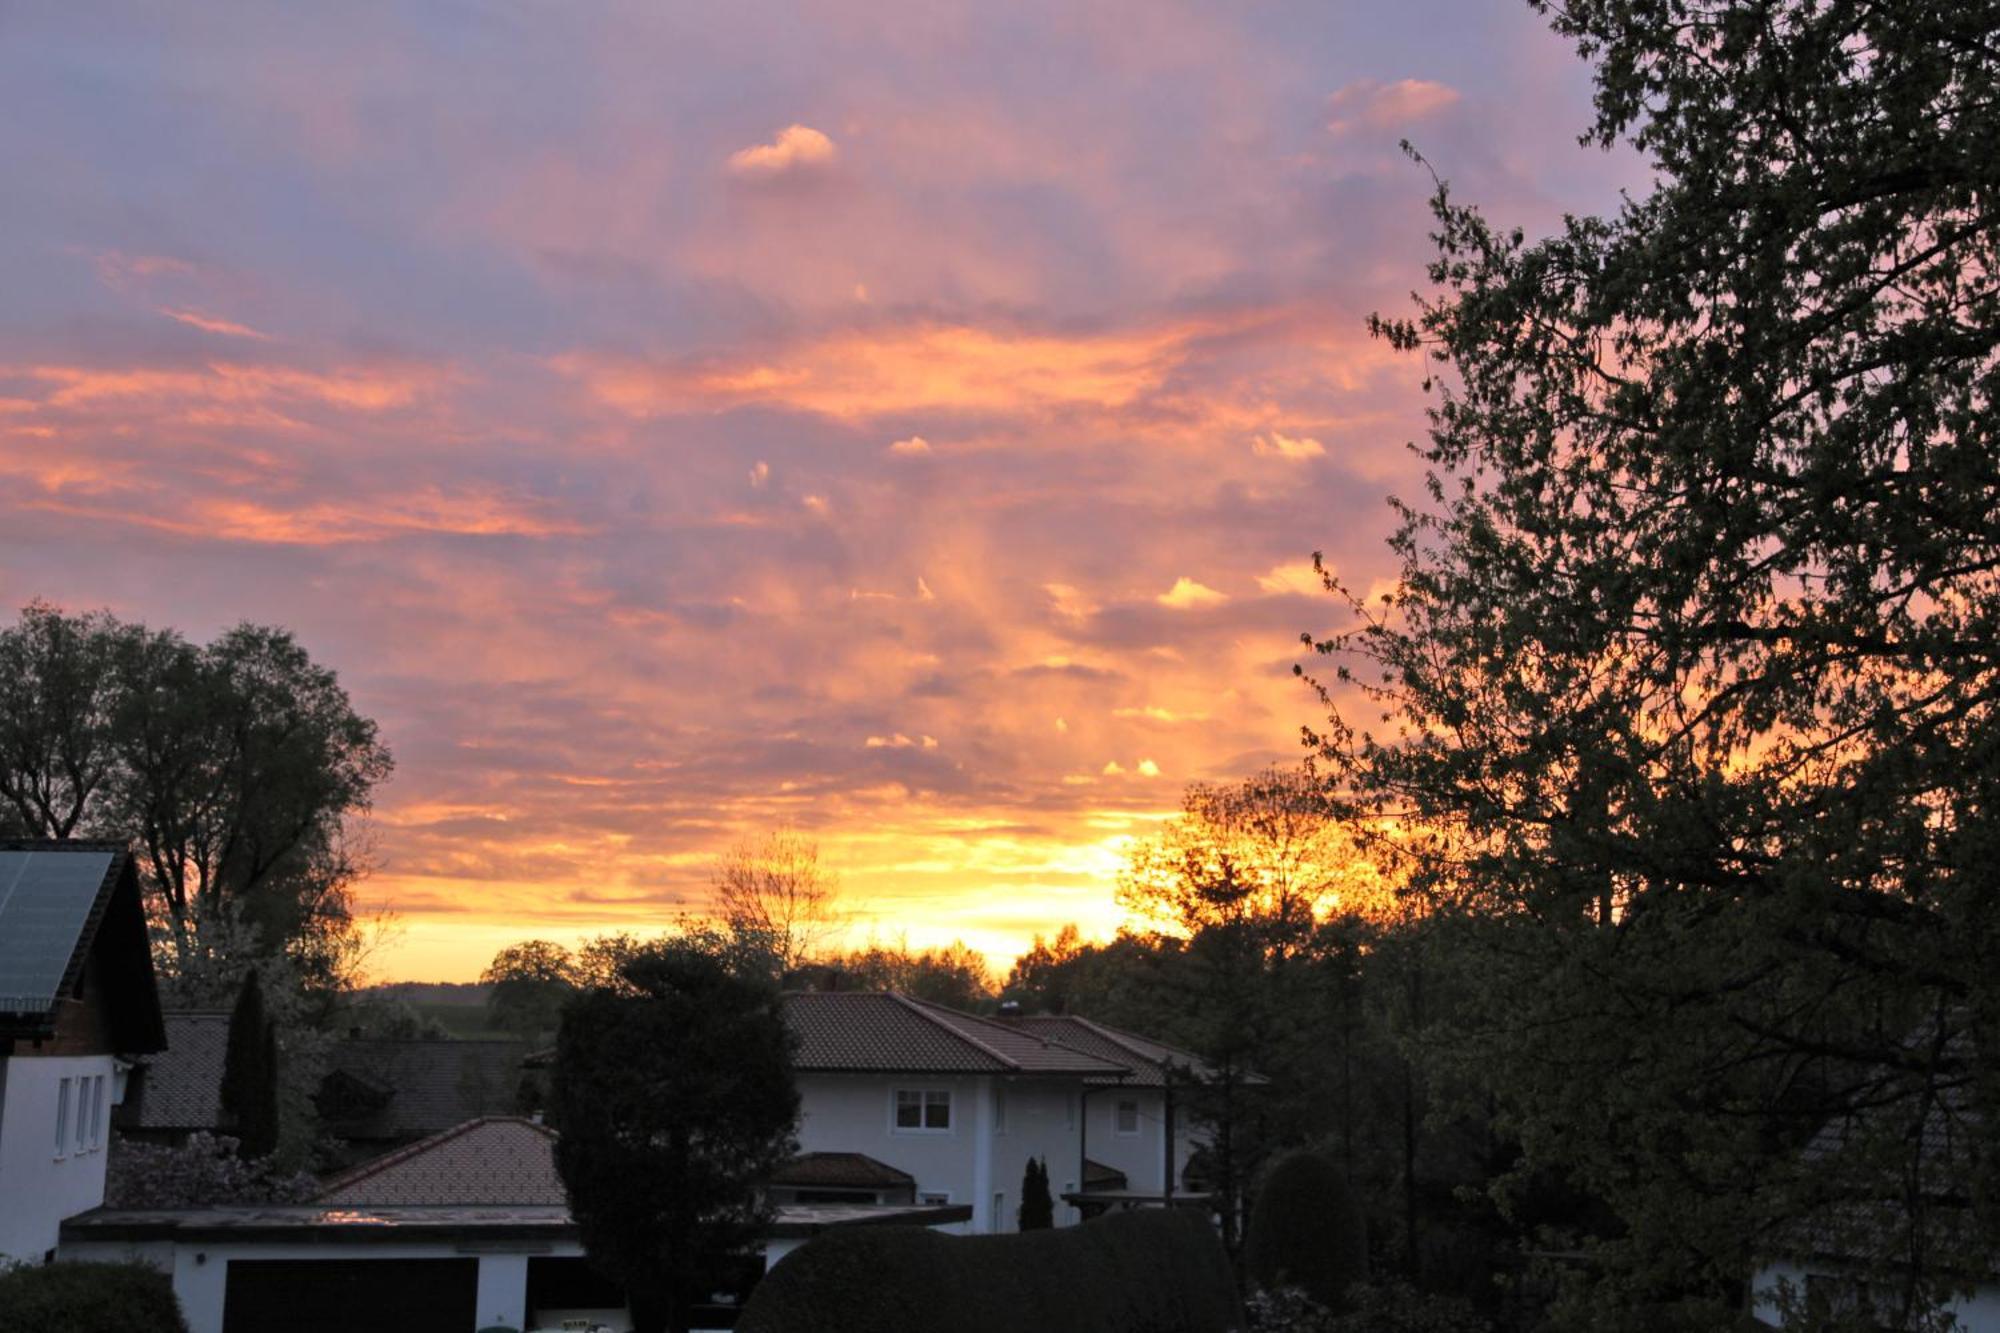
x=1695 y=656
x=249 y=1091
x=673 y=1087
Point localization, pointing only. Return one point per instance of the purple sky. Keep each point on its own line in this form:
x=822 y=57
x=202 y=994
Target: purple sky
x=906 y=421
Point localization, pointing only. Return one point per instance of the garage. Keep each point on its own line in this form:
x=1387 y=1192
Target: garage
x=341 y=1295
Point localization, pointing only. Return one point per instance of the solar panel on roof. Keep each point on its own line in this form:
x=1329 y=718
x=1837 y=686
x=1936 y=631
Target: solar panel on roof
x=45 y=898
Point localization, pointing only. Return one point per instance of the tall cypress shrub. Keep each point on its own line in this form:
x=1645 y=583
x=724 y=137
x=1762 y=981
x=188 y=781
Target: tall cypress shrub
x=1038 y=1210
x=250 y=1073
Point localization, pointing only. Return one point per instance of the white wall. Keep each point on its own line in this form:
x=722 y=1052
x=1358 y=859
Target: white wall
x=1140 y=1156
x=1975 y=1312
x=855 y=1113
x=1040 y=1120
x=40 y=1185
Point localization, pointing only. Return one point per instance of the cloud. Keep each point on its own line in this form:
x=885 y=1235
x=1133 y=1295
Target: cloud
x=1293 y=449
x=797 y=148
x=911 y=447
x=1186 y=594
x=1153 y=713
x=1113 y=769
x=760 y=474
x=1296 y=578
x=899 y=741
x=1370 y=105
x=211 y=324
x=1148 y=769
x=924 y=366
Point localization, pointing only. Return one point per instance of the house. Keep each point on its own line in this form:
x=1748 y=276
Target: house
x=178 y=1091
x=959 y=1103
x=78 y=1005
x=465 y=1229
x=380 y=1093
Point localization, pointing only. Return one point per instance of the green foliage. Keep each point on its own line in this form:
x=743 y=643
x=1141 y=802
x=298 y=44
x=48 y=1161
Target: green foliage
x=954 y=975
x=1693 y=666
x=204 y=1170
x=529 y=985
x=675 y=1095
x=1154 y=1271
x=1307 y=1230
x=249 y=1092
x=88 y=1298
x=1037 y=1211
x=232 y=765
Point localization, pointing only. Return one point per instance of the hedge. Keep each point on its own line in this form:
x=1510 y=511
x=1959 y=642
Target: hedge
x=1307 y=1230
x=88 y=1298
x=1152 y=1271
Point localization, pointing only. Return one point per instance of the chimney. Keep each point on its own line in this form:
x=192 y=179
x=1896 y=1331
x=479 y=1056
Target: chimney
x=1010 y=1008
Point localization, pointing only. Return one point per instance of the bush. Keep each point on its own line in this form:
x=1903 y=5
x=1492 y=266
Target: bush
x=88 y=1298
x=1156 y=1271
x=1308 y=1231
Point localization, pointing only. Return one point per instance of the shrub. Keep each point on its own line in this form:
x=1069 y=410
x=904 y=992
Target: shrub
x=1307 y=1231
x=1156 y=1271
x=88 y=1298
x=1038 y=1209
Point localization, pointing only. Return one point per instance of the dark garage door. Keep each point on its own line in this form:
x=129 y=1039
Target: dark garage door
x=346 y=1295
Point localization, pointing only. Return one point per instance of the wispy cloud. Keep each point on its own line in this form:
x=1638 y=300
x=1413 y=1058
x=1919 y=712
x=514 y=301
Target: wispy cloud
x=796 y=148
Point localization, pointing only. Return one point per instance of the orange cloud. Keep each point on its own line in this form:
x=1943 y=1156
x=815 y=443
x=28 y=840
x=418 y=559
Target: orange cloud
x=797 y=147
x=1186 y=594
x=210 y=324
x=223 y=382
x=1293 y=449
x=1369 y=105
x=865 y=373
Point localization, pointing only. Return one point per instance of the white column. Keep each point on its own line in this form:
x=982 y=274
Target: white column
x=200 y=1281
x=503 y=1290
x=983 y=1220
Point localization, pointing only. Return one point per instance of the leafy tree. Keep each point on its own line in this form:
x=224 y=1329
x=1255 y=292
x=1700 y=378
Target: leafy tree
x=1694 y=660
x=674 y=1091
x=236 y=768
x=774 y=890
x=249 y=1092
x=954 y=975
x=206 y=1169
x=530 y=984
x=132 y=1297
x=1037 y=1210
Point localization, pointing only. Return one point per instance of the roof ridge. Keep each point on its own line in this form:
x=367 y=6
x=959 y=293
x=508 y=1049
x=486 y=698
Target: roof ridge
x=1048 y=1042
x=922 y=1008
x=1123 y=1040
x=396 y=1157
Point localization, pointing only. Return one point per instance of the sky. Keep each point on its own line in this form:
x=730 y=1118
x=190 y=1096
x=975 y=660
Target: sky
x=907 y=422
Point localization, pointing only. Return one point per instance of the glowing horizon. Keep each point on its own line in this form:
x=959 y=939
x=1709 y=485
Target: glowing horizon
x=909 y=423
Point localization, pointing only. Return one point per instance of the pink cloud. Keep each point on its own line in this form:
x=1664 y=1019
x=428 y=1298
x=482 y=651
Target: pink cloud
x=1367 y=104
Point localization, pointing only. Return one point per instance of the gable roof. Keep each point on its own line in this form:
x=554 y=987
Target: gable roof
x=840 y=1170
x=421 y=1086
x=882 y=1032
x=493 y=1160
x=181 y=1087
x=1152 y=1062
x=61 y=905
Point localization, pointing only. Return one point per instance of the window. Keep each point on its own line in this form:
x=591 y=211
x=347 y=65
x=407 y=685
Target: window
x=923 y=1110
x=62 y=1115
x=85 y=1109
x=1128 y=1117
x=1000 y=1218
x=934 y=1198
x=98 y=1112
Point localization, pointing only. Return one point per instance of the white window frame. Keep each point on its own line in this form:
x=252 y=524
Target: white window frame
x=933 y=1198
x=97 y=1114
x=1118 y=1117
x=926 y=1099
x=62 y=1118
x=81 y=1144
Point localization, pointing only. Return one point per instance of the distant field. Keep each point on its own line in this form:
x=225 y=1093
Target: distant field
x=458 y=1019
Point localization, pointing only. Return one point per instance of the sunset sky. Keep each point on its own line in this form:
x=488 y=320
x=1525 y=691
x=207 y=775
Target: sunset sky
x=909 y=421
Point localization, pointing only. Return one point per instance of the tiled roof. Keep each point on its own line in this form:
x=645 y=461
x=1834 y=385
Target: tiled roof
x=863 y=1032
x=182 y=1085
x=492 y=1161
x=840 y=1170
x=1149 y=1060
x=428 y=1085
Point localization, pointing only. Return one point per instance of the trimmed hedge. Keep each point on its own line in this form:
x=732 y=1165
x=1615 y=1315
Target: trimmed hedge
x=88 y=1298
x=1307 y=1230
x=1154 y=1271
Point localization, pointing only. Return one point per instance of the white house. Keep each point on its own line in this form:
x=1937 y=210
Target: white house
x=960 y=1103
x=77 y=1004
